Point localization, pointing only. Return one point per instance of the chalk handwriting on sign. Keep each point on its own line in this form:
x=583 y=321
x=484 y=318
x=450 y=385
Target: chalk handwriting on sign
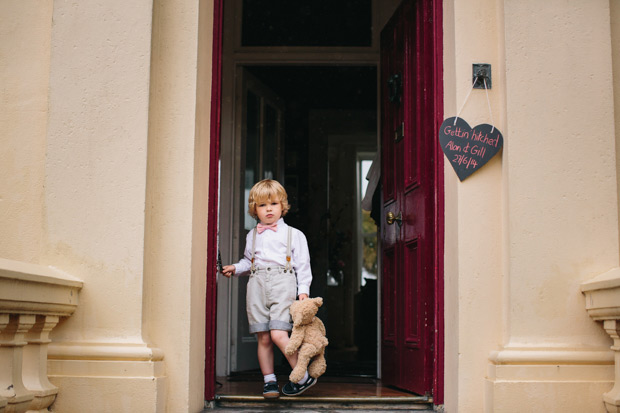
x=468 y=149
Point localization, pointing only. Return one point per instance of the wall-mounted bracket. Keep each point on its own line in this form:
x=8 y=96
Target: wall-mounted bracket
x=480 y=73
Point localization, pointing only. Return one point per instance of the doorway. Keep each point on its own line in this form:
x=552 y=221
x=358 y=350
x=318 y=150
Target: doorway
x=326 y=103
x=306 y=126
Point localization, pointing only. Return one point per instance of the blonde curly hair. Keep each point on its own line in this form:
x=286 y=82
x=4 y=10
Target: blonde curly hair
x=264 y=191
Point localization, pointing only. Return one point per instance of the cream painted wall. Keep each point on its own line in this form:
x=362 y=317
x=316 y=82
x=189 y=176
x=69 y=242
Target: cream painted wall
x=473 y=249
x=177 y=195
x=94 y=200
x=545 y=208
x=127 y=196
x=107 y=114
x=614 y=7
x=451 y=236
x=560 y=183
x=25 y=29
x=96 y=162
x=562 y=199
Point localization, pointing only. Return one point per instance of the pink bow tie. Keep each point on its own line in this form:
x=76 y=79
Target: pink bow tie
x=261 y=227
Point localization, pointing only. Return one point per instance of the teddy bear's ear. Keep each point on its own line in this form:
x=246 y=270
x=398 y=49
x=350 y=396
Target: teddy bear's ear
x=318 y=301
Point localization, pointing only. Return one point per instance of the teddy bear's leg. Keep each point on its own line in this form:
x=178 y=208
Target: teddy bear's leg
x=318 y=365
x=306 y=351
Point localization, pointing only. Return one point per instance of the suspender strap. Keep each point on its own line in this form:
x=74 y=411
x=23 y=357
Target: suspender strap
x=253 y=249
x=288 y=251
x=289 y=266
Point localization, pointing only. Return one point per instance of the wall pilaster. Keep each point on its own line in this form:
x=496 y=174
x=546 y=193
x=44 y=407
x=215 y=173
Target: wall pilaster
x=560 y=208
x=94 y=202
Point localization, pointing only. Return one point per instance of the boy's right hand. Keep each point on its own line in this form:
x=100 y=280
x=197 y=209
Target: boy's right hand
x=228 y=270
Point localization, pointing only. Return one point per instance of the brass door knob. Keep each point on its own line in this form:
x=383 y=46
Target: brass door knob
x=391 y=218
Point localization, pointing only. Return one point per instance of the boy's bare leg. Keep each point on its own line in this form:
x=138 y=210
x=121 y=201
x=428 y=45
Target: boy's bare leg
x=265 y=352
x=280 y=337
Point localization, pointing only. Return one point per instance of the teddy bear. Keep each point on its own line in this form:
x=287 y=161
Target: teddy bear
x=309 y=337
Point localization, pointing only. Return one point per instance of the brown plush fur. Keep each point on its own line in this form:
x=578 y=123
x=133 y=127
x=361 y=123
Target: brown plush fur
x=309 y=337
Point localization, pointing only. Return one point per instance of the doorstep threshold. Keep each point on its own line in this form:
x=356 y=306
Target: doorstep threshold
x=331 y=403
x=328 y=399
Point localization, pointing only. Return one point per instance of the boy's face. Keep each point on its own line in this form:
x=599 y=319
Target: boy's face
x=269 y=211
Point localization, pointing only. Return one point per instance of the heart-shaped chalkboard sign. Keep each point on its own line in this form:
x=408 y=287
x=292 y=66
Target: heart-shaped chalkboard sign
x=468 y=149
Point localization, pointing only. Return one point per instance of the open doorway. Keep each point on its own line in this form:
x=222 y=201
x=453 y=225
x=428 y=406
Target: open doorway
x=307 y=126
x=316 y=105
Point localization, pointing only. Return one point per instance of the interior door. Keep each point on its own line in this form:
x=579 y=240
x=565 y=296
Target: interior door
x=259 y=126
x=406 y=230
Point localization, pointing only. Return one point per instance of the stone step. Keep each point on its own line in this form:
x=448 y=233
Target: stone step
x=333 y=404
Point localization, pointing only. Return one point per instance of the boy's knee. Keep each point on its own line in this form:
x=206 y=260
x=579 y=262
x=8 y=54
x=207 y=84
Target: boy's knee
x=264 y=338
x=277 y=336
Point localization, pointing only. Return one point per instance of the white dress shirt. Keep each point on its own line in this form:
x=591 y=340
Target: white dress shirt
x=270 y=249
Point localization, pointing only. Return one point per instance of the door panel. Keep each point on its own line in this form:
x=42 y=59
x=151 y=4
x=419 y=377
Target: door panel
x=408 y=271
x=389 y=295
x=411 y=261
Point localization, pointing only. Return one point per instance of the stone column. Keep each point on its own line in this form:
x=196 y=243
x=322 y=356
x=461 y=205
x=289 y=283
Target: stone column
x=559 y=208
x=13 y=328
x=95 y=186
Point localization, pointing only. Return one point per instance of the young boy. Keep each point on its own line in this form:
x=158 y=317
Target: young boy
x=277 y=259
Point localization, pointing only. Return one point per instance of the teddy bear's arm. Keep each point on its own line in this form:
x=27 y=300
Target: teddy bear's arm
x=323 y=332
x=321 y=326
x=295 y=341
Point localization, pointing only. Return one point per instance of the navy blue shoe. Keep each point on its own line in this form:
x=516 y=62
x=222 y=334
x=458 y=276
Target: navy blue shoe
x=271 y=390
x=295 y=389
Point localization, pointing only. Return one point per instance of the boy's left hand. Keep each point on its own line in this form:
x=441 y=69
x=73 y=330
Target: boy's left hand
x=303 y=297
x=228 y=270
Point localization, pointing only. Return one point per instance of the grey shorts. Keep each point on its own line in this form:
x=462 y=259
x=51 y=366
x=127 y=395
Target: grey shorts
x=270 y=293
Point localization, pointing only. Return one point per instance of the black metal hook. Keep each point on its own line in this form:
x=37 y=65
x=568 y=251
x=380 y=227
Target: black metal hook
x=481 y=72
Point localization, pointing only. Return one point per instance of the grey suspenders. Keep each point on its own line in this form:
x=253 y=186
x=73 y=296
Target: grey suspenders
x=289 y=266
x=253 y=249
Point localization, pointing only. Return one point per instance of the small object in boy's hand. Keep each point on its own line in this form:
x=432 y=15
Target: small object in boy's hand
x=220 y=269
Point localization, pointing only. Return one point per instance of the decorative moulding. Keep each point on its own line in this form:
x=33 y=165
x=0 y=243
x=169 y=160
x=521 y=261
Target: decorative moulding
x=603 y=295
x=105 y=351
x=549 y=356
x=32 y=299
x=27 y=288
x=603 y=304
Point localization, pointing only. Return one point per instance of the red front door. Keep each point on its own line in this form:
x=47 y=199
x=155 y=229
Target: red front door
x=408 y=222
